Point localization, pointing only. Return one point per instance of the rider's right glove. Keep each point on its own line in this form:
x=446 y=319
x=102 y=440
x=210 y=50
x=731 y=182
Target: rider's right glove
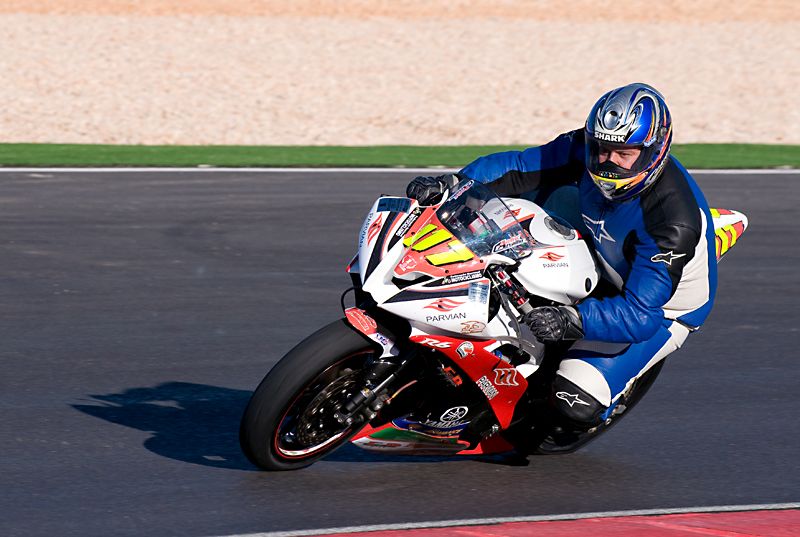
x=551 y=324
x=428 y=190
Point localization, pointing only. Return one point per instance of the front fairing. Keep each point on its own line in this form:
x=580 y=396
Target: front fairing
x=428 y=264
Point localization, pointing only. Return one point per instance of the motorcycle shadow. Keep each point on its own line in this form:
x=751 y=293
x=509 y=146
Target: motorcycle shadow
x=351 y=453
x=199 y=424
x=194 y=423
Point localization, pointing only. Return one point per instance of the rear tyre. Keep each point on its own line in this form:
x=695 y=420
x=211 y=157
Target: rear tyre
x=288 y=423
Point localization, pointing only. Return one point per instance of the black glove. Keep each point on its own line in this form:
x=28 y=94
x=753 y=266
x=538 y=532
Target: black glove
x=428 y=190
x=552 y=324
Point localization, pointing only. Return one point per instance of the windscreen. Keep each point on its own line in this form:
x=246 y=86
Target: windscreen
x=477 y=217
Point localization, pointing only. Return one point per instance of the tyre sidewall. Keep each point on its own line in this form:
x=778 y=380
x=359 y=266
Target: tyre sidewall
x=280 y=388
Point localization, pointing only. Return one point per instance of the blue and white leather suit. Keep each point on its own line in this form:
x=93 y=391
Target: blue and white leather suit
x=656 y=248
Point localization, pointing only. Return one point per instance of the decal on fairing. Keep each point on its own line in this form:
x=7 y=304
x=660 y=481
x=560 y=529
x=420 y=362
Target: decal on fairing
x=444 y=304
x=361 y=321
x=451 y=416
x=554 y=260
x=435 y=343
x=444 y=317
x=454 y=377
x=405 y=226
x=427 y=228
x=394 y=205
x=487 y=388
x=408 y=263
x=374 y=228
x=511 y=242
x=465 y=349
x=377 y=250
x=726 y=237
x=432 y=239
x=551 y=256
x=458 y=253
x=505 y=377
x=459 y=278
x=405 y=296
x=472 y=327
x=479 y=292
x=728 y=229
x=430 y=236
x=477 y=364
x=431 y=427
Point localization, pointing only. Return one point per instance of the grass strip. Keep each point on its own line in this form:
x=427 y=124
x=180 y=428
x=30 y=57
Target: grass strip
x=88 y=155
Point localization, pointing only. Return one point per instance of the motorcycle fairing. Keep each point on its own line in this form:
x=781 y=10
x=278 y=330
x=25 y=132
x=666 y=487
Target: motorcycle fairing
x=433 y=251
x=502 y=384
x=379 y=232
x=728 y=227
x=366 y=325
x=392 y=438
x=396 y=439
x=440 y=268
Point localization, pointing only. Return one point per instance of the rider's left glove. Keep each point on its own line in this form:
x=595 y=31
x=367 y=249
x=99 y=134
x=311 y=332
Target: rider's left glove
x=428 y=190
x=551 y=324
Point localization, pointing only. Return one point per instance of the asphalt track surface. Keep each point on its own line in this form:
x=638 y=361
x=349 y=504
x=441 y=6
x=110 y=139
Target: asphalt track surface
x=139 y=310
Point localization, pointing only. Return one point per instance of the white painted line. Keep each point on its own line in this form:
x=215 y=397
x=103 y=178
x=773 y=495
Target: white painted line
x=759 y=171
x=541 y=518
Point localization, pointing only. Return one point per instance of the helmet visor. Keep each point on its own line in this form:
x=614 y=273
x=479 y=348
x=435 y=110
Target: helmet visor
x=615 y=167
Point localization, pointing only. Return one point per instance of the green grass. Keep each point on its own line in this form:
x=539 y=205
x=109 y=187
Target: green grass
x=42 y=155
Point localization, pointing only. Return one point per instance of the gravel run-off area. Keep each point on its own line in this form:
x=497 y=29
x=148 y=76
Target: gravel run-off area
x=351 y=72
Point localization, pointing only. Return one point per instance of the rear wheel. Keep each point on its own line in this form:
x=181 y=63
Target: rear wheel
x=289 y=422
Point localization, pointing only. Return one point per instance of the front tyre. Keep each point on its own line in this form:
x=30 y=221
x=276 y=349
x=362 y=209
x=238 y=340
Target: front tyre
x=289 y=422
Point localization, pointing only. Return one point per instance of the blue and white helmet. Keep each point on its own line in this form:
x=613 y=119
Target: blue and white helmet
x=631 y=117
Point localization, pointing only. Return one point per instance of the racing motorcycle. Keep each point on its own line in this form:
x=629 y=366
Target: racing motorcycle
x=432 y=359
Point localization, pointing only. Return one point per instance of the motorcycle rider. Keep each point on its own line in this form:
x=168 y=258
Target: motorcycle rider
x=652 y=233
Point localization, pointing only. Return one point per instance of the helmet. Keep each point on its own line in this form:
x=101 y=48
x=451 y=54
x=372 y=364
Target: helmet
x=631 y=117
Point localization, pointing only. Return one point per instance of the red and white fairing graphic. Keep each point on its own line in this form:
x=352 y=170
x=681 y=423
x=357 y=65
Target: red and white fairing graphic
x=501 y=383
x=414 y=267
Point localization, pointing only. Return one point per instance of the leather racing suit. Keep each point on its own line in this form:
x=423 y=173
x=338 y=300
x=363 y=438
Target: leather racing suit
x=657 y=249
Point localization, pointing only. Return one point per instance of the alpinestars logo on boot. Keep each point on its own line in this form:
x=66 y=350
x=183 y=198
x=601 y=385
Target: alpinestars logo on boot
x=571 y=399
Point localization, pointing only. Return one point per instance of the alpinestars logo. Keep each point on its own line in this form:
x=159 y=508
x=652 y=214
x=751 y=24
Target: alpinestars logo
x=600 y=233
x=444 y=304
x=571 y=399
x=667 y=257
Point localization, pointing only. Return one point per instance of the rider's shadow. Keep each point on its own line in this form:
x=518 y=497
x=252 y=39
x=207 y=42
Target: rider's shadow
x=194 y=423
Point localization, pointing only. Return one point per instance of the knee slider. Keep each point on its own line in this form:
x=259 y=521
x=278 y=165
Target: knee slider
x=576 y=404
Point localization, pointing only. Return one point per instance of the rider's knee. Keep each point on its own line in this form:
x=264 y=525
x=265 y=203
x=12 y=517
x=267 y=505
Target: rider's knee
x=575 y=404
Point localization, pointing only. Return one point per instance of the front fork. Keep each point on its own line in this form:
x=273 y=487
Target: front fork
x=365 y=404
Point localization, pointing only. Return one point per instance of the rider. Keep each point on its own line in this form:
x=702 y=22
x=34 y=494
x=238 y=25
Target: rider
x=652 y=233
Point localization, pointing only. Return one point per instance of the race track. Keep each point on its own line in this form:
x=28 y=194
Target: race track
x=140 y=309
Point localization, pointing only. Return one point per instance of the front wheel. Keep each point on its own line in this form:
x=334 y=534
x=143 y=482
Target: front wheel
x=289 y=422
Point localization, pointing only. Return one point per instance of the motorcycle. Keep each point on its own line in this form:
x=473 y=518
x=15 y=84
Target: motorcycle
x=433 y=358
